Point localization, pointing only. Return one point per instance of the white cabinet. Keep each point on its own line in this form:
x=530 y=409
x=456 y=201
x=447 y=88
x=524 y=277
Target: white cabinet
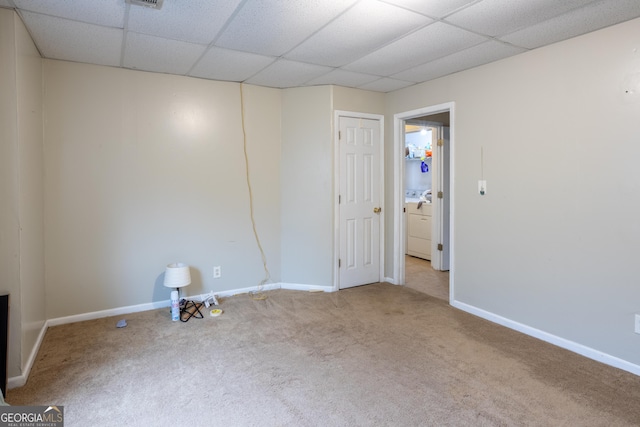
x=419 y=230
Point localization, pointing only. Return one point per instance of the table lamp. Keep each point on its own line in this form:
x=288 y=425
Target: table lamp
x=177 y=275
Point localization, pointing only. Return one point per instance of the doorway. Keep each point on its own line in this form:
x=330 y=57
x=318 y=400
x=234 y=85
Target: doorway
x=429 y=271
x=360 y=179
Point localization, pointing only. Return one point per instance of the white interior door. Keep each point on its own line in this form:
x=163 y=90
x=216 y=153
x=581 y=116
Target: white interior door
x=446 y=208
x=441 y=199
x=360 y=212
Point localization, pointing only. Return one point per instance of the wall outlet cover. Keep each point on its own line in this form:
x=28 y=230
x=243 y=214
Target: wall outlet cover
x=482 y=187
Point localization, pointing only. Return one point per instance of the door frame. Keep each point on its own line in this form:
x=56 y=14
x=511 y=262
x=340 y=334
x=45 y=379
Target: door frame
x=336 y=189
x=399 y=226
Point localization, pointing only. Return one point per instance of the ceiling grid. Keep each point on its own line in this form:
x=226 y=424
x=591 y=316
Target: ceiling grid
x=379 y=45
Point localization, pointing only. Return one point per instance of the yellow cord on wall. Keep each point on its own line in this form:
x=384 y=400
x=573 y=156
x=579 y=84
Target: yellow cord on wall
x=257 y=294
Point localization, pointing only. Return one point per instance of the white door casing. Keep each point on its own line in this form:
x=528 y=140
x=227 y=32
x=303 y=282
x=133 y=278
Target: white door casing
x=399 y=227
x=360 y=216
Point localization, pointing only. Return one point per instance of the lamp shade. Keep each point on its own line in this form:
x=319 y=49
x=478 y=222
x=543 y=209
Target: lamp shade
x=177 y=275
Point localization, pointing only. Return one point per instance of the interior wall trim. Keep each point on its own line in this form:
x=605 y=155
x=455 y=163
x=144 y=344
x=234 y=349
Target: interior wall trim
x=580 y=349
x=20 y=380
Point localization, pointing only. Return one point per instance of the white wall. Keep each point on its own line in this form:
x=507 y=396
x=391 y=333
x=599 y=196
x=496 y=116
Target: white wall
x=356 y=100
x=9 y=170
x=308 y=171
x=307 y=186
x=21 y=189
x=147 y=169
x=31 y=189
x=553 y=244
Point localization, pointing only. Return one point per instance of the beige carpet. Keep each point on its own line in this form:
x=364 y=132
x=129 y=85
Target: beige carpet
x=377 y=355
x=419 y=275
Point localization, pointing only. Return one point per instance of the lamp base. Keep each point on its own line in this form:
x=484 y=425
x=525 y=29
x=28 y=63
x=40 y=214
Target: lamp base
x=190 y=309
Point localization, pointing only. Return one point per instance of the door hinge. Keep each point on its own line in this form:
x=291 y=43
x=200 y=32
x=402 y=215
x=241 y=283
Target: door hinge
x=440 y=246
x=339 y=135
x=440 y=142
x=339 y=199
x=339 y=263
x=404 y=210
x=440 y=195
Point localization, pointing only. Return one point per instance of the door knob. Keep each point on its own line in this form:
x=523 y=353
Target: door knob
x=377 y=210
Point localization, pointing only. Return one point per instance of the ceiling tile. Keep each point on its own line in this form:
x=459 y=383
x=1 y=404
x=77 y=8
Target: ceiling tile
x=109 y=13
x=343 y=78
x=149 y=53
x=472 y=57
x=386 y=84
x=229 y=65
x=58 y=38
x=284 y=73
x=195 y=21
x=274 y=28
x=431 y=42
x=360 y=30
x=592 y=17
x=286 y=43
x=499 y=17
x=433 y=8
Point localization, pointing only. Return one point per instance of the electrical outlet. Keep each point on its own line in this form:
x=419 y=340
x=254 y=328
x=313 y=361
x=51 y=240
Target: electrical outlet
x=217 y=272
x=637 y=324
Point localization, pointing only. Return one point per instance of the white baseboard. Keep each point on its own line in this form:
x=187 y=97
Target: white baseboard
x=391 y=280
x=308 y=288
x=20 y=380
x=107 y=313
x=167 y=303
x=232 y=292
x=272 y=286
x=583 y=350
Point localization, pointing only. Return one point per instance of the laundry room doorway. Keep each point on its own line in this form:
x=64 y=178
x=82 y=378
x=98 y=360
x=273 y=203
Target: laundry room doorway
x=423 y=200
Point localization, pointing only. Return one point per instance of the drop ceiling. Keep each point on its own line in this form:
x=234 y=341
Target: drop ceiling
x=379 y=45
